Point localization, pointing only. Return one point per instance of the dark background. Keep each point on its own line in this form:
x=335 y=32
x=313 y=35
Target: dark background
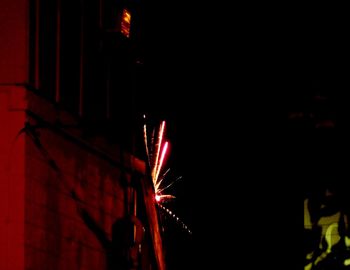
x=211 y=73
x=226 y=78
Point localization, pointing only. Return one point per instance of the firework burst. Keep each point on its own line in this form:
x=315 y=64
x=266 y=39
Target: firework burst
x=157 y=151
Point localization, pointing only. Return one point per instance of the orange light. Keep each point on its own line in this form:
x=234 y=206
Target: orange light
x=125 y=23
x=126 y=16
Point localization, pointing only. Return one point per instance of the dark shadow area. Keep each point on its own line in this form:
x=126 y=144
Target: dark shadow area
x=122 y=249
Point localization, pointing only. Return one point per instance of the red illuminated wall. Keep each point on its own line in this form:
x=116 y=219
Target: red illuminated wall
x=13 y=70
x=40 y=222
x=12 y=179
x=55 y=234
x=13 y=41
x=40 y=225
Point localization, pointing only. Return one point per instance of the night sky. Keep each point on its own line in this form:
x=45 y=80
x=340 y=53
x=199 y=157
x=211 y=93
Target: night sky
x=224 y=78
x=164 y=94
x=202 y=78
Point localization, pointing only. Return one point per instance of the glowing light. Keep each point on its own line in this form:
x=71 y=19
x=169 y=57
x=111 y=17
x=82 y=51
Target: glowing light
x=156 y=156
x=145 y=138
x=126 y=16
x=160 y=138
x=125 y=23
x=328 y=236
x=347 y=262
x=156 y=152
x=162 y=189
x=160 y=181
x=165 y=148
x=347 y=241
x=183 y=225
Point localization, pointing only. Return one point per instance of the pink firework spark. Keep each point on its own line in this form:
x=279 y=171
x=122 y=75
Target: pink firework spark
x=157 y=150
x=156 y=157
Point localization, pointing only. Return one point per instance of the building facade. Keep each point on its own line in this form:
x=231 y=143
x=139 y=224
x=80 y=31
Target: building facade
x=75 y=192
